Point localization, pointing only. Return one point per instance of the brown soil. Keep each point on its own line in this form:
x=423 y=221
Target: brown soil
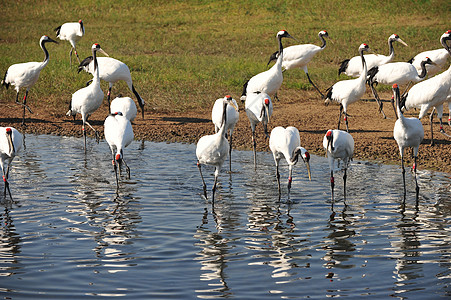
x=372 y=134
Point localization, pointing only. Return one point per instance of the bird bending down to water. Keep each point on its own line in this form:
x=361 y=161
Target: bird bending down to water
x=112 y=70
x=71 y=32
x=258 y=109
x=285 y=142
x=231 y=119
x=398 y=72
x=10 y=143
x=118 y=134
x=338 y=145
x=270 y=80
x=298 y=56
x=213 y=149
x=87 y=100
x=26 y=74
x=349 y=91
x=432 y=92
x=353 y=68
x=408 y=132
x=126 y=106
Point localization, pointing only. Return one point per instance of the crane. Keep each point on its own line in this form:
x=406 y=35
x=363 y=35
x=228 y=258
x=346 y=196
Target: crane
x=26 y=75
x=10 y=143
x=71 y=32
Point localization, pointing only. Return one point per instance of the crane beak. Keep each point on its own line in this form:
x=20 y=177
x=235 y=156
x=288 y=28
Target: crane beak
x=402 y=42
x=308 y=170
x=103 y=52
x=234 y=106
x=53 y=41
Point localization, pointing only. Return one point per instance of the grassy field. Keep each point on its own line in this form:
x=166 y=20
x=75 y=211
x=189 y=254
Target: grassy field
x=185 y=54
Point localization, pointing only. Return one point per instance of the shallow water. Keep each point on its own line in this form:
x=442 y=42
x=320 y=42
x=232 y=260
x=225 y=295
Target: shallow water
x=67 y=233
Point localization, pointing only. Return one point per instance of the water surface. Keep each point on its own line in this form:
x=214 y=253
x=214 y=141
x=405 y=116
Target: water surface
x=68 y=234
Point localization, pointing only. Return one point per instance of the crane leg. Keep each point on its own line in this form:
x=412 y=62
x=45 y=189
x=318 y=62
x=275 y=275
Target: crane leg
x=76 y=53
x=214 y=186
x=254 y=145
x=345 y=176
x=230 y=154
x=290 y=179
x=278 y=178
x=108 y=95
x=311 y=82
x=97 y=134
x=339 y=116
x=332 y=185
x=127 y=169
x=70 y=56
x=203 y=181
x=115 y=171
x=346 y=121
x=403 y=175
x=432 y=131
x=417 y=188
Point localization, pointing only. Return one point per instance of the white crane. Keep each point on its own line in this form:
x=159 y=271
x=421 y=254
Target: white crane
x=270 y=80
x=397 y=72
x=353 y=68
x=26 y=74
x=349 y=91
x=285 y=142
x=213 y=150
x=87 y=100
x=338 y=145
x=258 y=109
x=118 y=134
x=71 y=32
x=10 y=143
x=112 y=70
x=232 y=118
x=298 y=56
x=126 y=106
x=439 y=56
x=408 y=132
x=429 y=93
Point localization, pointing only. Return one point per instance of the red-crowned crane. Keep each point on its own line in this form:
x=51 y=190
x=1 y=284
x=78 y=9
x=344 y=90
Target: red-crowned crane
x=349 y=91
x=258 y=109
x=232 y=118
x=268 y=81
x=10 y=143
x=298 y=56
x=213 y=149
x=353 y=68
x=112 y=70
x=87 y=100
x=408 y=132
x=397 y=72
x=338 y=145
x=439 y=56
x=285 y=142
x=25 y=75
x=429 y=93
x=118 y=134
x=71 y=32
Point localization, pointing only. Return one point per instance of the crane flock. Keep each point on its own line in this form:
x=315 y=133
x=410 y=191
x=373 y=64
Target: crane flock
x=257 y=95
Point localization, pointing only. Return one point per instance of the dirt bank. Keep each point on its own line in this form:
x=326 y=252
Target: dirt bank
x=373 y=135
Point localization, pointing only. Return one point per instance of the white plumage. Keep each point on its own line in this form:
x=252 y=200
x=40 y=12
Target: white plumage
x=112 y=70
x=285 y=142
x=338 y=145
x=349 y=91
x=10 y=143
x=118 y=134
x=213 y=150
x=26 y=74
x=429 y=93
x=397 y=72
x=126 y=106
x=258 y=109
x=268 y=81
x=71 y=32
x=298 y=56
x=353 y=67
x=408 y=132
x=232 y=117
x=438 y=56
x=87 y=100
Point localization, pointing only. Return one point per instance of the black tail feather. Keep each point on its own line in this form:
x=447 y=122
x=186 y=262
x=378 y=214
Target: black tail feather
x=343 y=66
x=6 y=84
x=57 y=29
x=84 y=63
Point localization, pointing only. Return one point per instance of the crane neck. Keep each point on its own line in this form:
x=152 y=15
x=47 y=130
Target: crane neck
x=222 y=131
x=96 y=66
x=280 y=46
x=46 y=53
x=364 y=68
x=391 y=50
x=423 y=70
x=323 y=40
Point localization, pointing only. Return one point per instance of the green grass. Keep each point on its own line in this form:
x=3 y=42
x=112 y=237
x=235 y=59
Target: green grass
x=185 y=54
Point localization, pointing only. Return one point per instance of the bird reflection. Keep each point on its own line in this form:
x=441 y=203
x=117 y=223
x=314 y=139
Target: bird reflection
x=10 y=243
